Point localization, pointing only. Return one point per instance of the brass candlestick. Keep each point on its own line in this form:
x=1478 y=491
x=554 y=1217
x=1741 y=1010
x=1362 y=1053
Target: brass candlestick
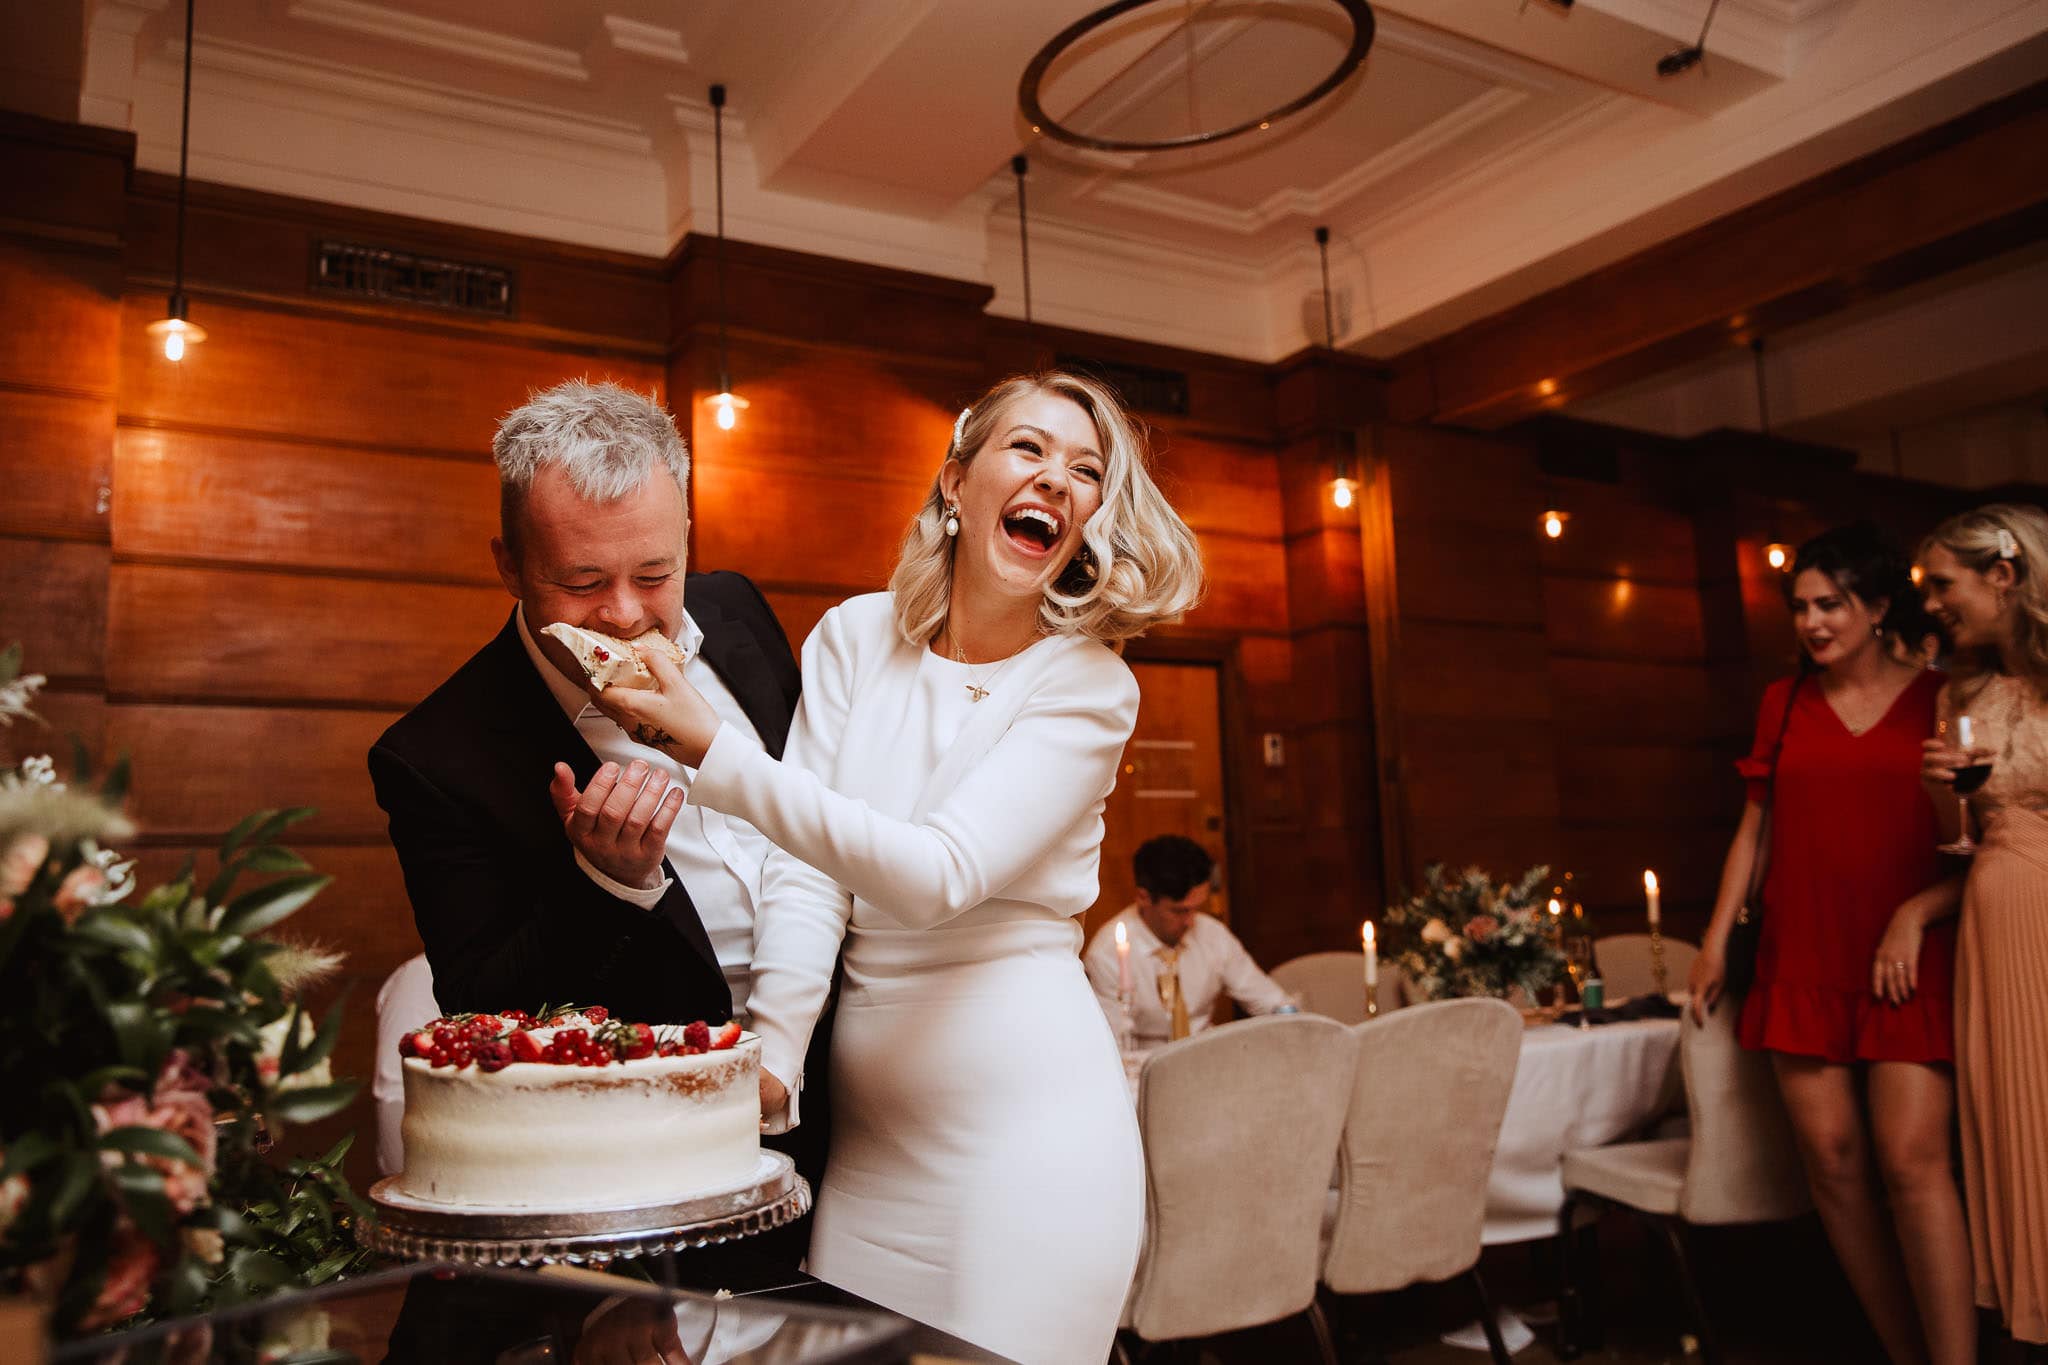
x=1657 y=976
x=1372 y=1002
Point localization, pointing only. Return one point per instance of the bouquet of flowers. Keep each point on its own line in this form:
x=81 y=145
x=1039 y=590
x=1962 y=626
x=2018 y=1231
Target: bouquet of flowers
x=1468 y=936
x=150 y=1051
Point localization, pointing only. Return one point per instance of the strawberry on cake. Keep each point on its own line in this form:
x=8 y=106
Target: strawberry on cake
x=575 y=1110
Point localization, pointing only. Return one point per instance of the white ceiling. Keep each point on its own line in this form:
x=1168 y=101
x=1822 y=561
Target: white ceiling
x=1487 y=150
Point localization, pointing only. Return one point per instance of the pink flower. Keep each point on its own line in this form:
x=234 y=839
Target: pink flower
x=80 y=891
x=1481 y=928
x=6 y=909
x=13 y=1194
x=130 y=1268
x=178 y=1106
x=20 y=863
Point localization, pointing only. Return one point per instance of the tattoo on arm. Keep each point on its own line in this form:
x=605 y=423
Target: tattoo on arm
x=653 y=736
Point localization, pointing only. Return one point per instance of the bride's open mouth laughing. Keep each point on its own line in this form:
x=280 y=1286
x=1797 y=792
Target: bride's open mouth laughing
x=1033 y=529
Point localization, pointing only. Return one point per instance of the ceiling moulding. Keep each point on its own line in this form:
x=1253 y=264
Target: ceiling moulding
x=113 y=44
x=651 y=41
x=953 y=245
x=481 y=46
x=282 y=124
x=1292 y=205
x=1092 y=281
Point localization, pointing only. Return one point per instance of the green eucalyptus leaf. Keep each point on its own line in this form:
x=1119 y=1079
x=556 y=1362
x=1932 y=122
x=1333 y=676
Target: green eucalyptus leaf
x=259 y=1270
x=10 y=663
x=255 y=911
x=139 y=1140
x=333 y=1266
x=142 y=1195
x=27 y=1152
x=239 y=835
x=78 y=1179
x=312 y=1103
x=114 y=929
x=142 y=1034
x=263 y=827
x=322 y=1046
x=273 y=858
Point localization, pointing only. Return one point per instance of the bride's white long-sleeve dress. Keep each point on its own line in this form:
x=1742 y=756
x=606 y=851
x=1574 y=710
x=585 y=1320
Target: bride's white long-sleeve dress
x=986 y=1174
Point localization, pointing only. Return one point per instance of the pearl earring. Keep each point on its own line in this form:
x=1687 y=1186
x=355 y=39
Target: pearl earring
x=952 y=518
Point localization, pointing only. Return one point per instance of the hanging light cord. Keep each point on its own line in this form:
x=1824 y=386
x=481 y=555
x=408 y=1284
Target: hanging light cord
x=718 y=172
x=184 y=151
x=1329 y=326
x=1764 y=408
x=1018 y=165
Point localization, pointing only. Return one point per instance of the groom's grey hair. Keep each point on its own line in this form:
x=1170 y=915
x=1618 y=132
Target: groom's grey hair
x=607 y=439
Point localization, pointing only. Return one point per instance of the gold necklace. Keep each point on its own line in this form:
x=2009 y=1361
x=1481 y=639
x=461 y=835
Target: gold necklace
x=975 y=691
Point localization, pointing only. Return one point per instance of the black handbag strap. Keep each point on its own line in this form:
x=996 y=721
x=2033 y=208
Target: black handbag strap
x=1760 y=864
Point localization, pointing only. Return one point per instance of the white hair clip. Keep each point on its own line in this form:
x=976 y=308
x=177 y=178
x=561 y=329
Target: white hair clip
x=2008 y=544
x=959 y=427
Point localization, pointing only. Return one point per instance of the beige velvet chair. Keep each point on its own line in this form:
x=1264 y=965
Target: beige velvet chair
x=1333 y=985
x=1739 y=1166
x=1425 y=1116
x=1240 y=1124
x=1623 y=961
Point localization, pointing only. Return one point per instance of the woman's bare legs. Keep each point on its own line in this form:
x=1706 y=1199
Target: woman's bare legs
x=1911 y=1106
x=1827 y=1118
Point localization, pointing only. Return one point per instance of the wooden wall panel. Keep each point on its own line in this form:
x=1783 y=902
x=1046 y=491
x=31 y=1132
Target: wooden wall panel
x=799 y=612
x=1617 y=618
x=200 y=768
x=238 y=634
x=1219 y=485
x=53 y=599
x=1453 y=571
x=790 y=527
x=62 y=310
x=1247 y=586
x=342 y=380
x=58 y=452
x=1620 y=701
x=67 y=713
x=283 y=504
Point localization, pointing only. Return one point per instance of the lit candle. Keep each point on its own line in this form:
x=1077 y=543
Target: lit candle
x=1651 y=894
x=1556 y=909
x=1372 y=957
x=1123 y=959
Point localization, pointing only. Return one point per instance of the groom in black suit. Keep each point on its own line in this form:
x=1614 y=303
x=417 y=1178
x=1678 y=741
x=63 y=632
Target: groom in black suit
x=540 y=872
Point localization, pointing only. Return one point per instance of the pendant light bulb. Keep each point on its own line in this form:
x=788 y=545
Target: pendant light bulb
x=1343 y=493
x=174 y=346
x=725 y=408
x=1553 y=523
x=174 y=332
x=1777 y=556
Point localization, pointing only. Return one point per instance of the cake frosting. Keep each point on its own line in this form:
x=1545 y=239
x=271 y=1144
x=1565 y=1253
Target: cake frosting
x=583 y=1113
x=611 y=662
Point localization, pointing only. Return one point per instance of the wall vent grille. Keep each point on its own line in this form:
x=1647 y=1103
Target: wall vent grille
x=1144 y=387
x=386 y=275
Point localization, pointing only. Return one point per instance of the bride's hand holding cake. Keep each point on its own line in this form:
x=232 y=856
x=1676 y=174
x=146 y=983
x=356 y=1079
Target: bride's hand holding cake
x=672 y=716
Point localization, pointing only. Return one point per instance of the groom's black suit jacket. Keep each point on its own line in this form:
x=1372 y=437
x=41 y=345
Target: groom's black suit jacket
x=508 y=918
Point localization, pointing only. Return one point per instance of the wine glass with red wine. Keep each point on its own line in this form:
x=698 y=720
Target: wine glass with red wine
x=1969 y=779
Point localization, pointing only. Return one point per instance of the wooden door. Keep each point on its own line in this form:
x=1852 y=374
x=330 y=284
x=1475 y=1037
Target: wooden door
x=1171 y=781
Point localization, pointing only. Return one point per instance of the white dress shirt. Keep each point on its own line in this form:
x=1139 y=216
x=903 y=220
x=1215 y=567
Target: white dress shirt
x=718 y=857
x=1212 y=961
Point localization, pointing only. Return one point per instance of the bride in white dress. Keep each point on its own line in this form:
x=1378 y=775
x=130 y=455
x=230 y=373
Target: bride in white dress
x=939 y=809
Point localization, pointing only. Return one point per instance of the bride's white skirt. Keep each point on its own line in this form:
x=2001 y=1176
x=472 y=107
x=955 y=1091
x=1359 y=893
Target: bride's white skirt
x=986 y=1174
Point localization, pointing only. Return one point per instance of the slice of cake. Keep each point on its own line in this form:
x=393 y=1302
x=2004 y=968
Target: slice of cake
x=610 y=661
x=577 y=1111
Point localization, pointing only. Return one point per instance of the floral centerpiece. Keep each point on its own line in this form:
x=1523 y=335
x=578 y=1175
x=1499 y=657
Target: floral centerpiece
x=150 y=1052
x=1466 y=935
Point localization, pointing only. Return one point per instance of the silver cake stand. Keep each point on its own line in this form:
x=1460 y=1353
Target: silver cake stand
x=417 y=1230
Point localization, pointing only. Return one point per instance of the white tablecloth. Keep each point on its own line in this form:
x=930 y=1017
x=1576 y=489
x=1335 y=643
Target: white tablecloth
x=1573 y=1088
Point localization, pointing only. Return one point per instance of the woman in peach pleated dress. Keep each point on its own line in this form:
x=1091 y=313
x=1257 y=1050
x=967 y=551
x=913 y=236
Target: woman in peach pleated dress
x=1985 y=574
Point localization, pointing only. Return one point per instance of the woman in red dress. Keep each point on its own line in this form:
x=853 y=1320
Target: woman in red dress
x=1852 y=991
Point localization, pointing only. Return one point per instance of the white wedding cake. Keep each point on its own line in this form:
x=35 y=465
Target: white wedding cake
x=612 y=662
x=577 y=1111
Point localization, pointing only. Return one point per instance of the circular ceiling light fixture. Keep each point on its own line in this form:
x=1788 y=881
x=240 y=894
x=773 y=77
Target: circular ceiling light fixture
x=1030 y=85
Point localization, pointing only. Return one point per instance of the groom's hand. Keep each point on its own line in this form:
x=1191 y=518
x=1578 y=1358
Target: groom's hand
x=620 y=822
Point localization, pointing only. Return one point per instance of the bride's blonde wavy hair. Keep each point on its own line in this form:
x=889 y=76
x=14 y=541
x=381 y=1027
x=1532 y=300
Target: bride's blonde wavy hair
x=1138 y=565
x=1978 y=539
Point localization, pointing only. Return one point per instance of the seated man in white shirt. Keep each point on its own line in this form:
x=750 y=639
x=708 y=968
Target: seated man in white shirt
x=1176 y=950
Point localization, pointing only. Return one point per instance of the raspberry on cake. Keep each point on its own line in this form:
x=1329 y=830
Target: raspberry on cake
x=500 y=1109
